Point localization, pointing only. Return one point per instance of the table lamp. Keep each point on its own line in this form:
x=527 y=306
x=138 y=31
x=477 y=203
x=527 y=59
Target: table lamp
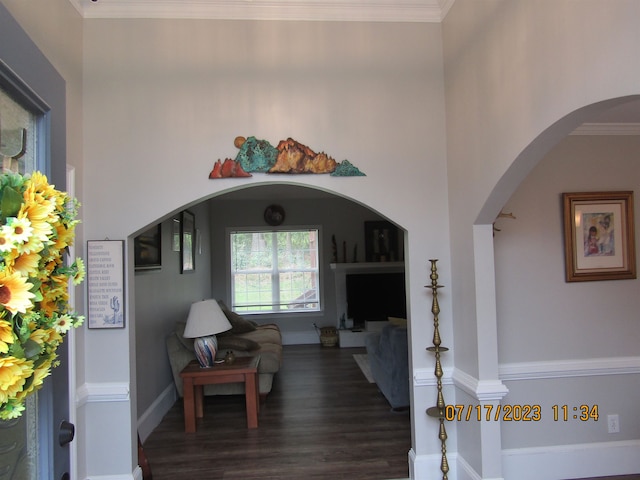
x=206 y=318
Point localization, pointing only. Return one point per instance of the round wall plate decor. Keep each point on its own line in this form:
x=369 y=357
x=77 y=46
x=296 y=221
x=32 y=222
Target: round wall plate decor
x=274 y=215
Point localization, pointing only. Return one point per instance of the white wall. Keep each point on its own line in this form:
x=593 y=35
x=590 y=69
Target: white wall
x=545 y=323
x=165 y=99
x=517 y=76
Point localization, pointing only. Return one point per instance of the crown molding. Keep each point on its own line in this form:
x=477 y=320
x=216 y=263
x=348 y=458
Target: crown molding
x=608 y=129
x=422 y=11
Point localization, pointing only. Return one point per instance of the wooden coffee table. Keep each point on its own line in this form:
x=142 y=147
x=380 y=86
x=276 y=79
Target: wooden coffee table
x=194 y=377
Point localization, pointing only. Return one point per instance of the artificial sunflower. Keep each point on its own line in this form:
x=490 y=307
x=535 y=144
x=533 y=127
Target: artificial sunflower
x=6 y=336
x=37 y=224
x=14 y=372
x=14 y=292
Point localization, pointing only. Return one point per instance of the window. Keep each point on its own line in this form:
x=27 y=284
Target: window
x=18 y=136
x=275 y=271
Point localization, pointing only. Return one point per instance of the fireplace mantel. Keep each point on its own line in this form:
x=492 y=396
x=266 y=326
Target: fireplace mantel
x=366 y=267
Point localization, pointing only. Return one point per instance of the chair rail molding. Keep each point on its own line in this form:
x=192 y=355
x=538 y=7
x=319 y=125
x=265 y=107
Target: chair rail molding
x=102 y=392
x=482 y=390
x=569 y=368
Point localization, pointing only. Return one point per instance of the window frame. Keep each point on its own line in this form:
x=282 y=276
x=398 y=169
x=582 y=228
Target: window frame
x=288 y=228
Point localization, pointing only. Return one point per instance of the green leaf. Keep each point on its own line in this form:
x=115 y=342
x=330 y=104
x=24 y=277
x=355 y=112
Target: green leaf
x=10 y=203
x=36 y=284
x=16 y=350
x=31 y=348
x=21 y=328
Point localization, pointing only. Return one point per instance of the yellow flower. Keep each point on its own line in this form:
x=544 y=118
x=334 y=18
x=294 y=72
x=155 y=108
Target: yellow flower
x=39 y=374
x=52 y=294
x=33 y=245
x=38 y=214
x=13 y=374
x=53 y=336
x=6 y=239
x=39 y=336
x=48 y=306
x=34 y=235
x=64 y=237
x=37 y=183
x=63 y=323
x=20 y=229
x=25 y=263
x=6 y=336
x=80 y=272
x=11 y=409
x=14 y=292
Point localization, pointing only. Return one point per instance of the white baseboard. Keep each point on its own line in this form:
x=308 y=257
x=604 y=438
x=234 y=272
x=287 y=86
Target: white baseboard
x=428 y=466
x=152 y=417
x=571 y=461
x=540 y=463
x=136 y=475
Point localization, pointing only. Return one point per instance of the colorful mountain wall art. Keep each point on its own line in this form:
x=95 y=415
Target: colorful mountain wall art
x=289 y=157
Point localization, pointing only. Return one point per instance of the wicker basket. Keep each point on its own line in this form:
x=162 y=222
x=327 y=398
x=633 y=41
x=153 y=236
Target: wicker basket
x=328 y=336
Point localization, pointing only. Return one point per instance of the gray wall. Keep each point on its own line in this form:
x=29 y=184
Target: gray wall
x=163 y=297
x=569 y=342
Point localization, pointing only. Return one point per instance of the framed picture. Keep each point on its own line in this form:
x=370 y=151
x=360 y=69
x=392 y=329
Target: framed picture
x=599 y=236
x=105 y=283
x=187 y=242
x=381 y=242
x=175 y=235
x=148 y=249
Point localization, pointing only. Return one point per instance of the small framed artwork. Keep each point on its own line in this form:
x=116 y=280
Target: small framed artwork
x=105 y=283
x=148 y=249
x=187 y=242
x=599 y=236
x=381 y=242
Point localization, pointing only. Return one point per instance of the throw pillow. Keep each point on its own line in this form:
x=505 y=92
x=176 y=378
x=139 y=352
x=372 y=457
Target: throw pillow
x=398 y=322
x=238 y=324
x=187 y=342
x=233 y=342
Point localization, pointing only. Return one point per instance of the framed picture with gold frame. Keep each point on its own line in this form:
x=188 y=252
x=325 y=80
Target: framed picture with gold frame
x=599 y=236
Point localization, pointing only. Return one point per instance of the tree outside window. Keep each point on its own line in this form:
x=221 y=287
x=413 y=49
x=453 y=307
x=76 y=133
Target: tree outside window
x=275 y=271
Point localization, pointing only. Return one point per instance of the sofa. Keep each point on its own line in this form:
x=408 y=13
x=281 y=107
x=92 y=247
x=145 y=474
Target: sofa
x=388 y=355
x=245 y=338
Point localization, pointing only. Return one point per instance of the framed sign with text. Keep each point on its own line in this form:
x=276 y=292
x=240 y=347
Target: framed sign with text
x=105 y=283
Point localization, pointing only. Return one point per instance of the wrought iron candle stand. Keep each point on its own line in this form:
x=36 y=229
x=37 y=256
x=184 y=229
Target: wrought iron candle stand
x=439 y=410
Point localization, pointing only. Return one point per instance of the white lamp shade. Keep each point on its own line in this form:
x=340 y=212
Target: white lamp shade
x=205 y=318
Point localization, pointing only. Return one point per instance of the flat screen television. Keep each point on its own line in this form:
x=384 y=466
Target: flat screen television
x=375 y=297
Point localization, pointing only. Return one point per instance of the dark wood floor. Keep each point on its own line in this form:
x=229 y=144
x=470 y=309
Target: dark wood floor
x=322 y=420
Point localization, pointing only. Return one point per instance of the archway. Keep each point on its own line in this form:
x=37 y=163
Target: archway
x=536 y=194
x=338 y=216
